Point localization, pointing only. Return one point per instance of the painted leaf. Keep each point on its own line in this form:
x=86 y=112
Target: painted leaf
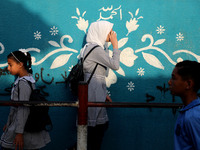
x=127 y=57
x=140 y=18
x=83 y=13
x=74 y=17
x=137 y=11
x=152 y=60
x=122 y=42
x=121 y=71
x=54 y=43
x=60 y=61
x=77 y=11
x=158 y=42
x=111 y=78
x=130 y=14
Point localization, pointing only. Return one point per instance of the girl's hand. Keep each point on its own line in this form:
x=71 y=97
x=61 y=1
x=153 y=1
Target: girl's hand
x=113 y=39
x=19 y=141
x=108 y=99
x=4 y=128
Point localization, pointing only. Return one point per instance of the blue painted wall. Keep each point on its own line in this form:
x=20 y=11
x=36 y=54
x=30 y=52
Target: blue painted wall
x=153 y=36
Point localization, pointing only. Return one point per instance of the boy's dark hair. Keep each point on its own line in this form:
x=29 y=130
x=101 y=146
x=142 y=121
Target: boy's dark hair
x=190 y=70
x=25 y=58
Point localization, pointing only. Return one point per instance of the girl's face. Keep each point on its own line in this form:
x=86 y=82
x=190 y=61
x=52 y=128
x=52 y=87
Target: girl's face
x=13 y=66
x=108 y=36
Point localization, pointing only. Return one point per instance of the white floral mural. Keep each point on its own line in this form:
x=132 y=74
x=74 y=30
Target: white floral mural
x=128 y=55
x=152 y=35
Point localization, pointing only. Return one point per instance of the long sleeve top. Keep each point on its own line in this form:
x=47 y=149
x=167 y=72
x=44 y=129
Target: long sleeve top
x=97 y=91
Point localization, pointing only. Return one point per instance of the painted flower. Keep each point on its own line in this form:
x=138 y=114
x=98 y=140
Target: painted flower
x=54 y=30
x=132 y=24
x=179 y=37
x=37 y=35
x=82 y=23
x=128 y=57
x=140 y=71
x=130 y=86
x=160 y=30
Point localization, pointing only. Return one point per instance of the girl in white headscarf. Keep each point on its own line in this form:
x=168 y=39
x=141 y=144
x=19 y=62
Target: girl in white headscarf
x=99 y=33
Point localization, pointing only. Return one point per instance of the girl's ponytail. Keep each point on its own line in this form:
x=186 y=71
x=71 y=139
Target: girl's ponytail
x=29 y=63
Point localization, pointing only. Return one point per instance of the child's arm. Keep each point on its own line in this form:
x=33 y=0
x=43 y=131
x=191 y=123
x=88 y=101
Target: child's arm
x=108 y=99
x=19 y=141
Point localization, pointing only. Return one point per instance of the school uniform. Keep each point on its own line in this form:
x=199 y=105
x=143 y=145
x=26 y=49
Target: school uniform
x=97 y=90
x=18 y=116
x=97 y=116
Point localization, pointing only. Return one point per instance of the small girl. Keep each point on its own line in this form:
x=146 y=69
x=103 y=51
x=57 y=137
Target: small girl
x=14 y=136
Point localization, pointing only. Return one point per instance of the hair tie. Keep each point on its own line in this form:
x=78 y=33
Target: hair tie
x=23 y=51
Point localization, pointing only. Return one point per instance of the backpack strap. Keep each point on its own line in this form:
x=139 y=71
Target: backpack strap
x=92 y=73
x=30 y=84
x=90 y=51
x=95 y=66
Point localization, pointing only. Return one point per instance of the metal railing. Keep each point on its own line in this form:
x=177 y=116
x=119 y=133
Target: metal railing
x=82 y=104
x=91 y=104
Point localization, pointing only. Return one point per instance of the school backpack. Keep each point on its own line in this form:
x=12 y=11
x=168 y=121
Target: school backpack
x=38 y=118
x=76 y=74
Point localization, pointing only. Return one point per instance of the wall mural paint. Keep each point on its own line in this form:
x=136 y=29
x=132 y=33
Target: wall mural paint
x=128 y=55
x=152 y=41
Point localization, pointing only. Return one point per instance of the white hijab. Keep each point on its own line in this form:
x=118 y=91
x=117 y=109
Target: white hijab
x=97 y=34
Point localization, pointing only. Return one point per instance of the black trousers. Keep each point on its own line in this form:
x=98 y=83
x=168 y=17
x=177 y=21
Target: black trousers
x=95 y=136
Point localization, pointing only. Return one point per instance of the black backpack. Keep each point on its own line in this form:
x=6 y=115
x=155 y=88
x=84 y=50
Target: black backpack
x=38 y=118
x=76 y=74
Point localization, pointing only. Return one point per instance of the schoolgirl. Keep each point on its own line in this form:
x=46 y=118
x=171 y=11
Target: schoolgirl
x=99 y=33
x=14 y=136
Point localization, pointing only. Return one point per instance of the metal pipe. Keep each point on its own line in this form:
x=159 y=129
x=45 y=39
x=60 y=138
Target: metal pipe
x=83 y=104
x=91 y=104
x=39 y=103
x=135 y=105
